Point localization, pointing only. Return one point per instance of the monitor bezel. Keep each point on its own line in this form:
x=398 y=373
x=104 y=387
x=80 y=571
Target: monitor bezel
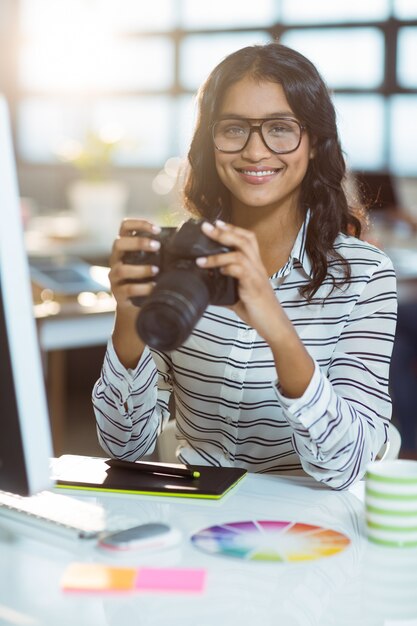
x=25 y=440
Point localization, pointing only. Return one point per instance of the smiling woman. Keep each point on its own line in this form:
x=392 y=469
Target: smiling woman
x=293 y=375
x=268 y=162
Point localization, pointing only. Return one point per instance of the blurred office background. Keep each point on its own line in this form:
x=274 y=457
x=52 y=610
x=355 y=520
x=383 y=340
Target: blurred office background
x=103 y=92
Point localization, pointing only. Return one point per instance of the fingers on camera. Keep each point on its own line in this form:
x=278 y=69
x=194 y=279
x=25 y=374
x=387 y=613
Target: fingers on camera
x=138 y=289
x=130 y=227
x=133 y=244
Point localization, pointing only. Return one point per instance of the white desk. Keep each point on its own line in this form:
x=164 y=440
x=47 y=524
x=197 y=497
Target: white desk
x=363 y=586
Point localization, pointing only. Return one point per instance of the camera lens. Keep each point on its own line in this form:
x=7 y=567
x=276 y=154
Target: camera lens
x=169 y=315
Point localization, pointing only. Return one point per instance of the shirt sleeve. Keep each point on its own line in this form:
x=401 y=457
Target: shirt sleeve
x=132 y=406
x=341 y=421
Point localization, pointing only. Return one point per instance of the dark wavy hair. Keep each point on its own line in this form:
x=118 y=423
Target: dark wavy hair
x=321 y=191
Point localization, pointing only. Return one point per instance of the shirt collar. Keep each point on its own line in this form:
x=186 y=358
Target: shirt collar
x=298 y=252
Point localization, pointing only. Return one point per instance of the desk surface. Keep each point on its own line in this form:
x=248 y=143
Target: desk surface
x=363 y=586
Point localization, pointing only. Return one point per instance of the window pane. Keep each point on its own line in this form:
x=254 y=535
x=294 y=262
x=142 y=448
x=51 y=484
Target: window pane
x=146 y=124
x=199 y=54
x=134 y=15
x=43 y=125
x=46 y=126
x=405 y=8
x=404 y=135
x=407 y=55
x=37 y=17
x=233 y=13
x=361 y=128
x=96 y=63
x=186 y=117
x=345 y=57
x=313 y=12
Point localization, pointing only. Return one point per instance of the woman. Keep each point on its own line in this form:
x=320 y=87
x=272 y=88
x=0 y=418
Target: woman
x=294 y=376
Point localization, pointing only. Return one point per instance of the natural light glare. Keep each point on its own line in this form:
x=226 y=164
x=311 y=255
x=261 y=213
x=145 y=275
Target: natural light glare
x=137 y=15
x=82 y=53
x=405 y=8
x=403 y=158
x=345 y=58
x=360 y=122
x=316 y=11
x=43 y=126
x=115 y=15
x=200 y=53
x=407 y=55
x=146 y=121
x=186 y=112
x=46 y=128
x=131 y=69
x=232 y=13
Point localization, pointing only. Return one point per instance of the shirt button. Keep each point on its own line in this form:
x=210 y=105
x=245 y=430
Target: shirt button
x=228 y=420
x=235 y=376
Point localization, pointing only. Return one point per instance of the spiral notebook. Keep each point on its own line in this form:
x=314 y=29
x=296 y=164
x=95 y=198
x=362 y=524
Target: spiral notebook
x=94 y=474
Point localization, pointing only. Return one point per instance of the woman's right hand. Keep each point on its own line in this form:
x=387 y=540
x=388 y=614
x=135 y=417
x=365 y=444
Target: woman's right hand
x=122 y=275
x=126 y=341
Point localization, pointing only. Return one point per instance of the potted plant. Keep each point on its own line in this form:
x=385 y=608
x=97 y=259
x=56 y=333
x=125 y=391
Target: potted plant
x=97 y=198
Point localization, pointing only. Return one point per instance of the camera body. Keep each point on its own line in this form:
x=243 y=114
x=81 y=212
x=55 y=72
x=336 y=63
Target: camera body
x=183 y=290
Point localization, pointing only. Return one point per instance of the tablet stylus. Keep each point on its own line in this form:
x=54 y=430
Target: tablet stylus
x=154 y=468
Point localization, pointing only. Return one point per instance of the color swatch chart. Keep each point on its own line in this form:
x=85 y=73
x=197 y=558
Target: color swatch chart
x=270 y=540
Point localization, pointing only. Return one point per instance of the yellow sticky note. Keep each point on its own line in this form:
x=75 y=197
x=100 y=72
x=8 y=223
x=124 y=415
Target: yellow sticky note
x=97 y=577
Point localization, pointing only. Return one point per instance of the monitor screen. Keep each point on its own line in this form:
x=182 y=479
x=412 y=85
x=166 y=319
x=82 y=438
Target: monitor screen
x=25 y=439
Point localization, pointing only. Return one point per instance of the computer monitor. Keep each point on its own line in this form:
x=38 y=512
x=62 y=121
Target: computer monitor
x=25 y=437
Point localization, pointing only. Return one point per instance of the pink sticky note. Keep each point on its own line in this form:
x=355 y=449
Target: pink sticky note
x=170 y=579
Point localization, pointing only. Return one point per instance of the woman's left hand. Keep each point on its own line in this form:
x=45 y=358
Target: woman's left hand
x=257 y=306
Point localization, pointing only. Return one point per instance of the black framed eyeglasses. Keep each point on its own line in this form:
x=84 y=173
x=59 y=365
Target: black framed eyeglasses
x=279 y=134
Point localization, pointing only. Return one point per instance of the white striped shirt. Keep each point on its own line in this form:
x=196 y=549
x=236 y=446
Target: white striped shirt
x=229 y=409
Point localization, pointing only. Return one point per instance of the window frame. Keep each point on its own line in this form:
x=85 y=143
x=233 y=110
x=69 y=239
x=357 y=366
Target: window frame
x=390 y=85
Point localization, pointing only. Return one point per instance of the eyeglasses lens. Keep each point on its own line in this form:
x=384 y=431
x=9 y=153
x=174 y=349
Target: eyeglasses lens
x=280 y=135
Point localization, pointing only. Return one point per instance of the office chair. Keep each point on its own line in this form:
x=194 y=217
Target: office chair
x=167 y=444
x=391 y=449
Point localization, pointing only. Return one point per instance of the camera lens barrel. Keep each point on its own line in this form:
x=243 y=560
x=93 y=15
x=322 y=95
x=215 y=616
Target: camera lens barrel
x=169 y=315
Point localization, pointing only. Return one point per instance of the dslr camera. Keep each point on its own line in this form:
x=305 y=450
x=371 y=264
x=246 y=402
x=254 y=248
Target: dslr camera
x=183 y=290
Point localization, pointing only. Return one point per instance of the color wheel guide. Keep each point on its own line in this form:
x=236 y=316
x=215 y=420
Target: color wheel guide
x=268 y=540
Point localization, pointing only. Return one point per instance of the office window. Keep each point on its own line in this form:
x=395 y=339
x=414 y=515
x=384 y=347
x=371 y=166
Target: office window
x=44 y=124
x=200 y=53
x=405 y=9
x=345 y=57
x=136 y=67
x=136 y=16
x=330 y=11
x=403 y=135
x=144 y=124
x=99 y=63
x=361 y=127
x=407 y=55
x=229 y=14
x=185 y=119
x=120 y=16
